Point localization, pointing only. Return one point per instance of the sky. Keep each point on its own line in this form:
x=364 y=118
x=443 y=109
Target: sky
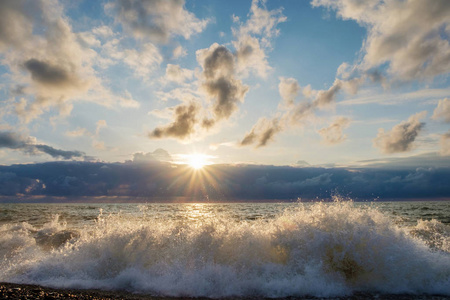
x=318 y=83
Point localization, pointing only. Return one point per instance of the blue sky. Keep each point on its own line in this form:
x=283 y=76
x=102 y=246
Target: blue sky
x=329 y=83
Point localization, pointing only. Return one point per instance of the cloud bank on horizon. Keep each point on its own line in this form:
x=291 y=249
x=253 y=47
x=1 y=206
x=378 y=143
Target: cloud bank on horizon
x=150 y=179
x=250 y=81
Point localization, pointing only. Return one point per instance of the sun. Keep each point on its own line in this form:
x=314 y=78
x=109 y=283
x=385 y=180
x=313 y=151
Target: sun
x=197 y=160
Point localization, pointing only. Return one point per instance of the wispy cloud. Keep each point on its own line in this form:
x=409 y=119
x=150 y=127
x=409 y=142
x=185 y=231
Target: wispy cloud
x=333 y=134
x=442 y=111
x=15 y=141
x=390 y=98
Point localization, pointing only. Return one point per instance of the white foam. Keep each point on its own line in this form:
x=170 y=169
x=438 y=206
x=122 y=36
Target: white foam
x=320 y=250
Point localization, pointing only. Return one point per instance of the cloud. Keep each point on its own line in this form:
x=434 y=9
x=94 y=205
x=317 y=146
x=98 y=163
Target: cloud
x=243 y=182
x=178 y=52
x=100 y=124
x=401 y=137
x=143 y=61
x=157 y=155
x=251 y=57
x=15 y=141
x=183 y=126
x=404 y=34
x=445 y=144
x=12 y=140
x=262 y=21
x=253 y=38
x=219 y=80
x=103 y=31
x=50 y=75
x=96 y=143
x=55 y=153
x=15 y=25
x=289 y=90
x=425 y=160
x=217 y=83
x=262 y=132
x=292 y=112
x=78 y=132
x=177 y=74
x=157 y=20
x=398 y=98
x=442 y=111
x=36 y=37
x=332 y=134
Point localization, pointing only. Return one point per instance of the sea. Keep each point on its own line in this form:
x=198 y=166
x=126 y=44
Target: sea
x=273 y=250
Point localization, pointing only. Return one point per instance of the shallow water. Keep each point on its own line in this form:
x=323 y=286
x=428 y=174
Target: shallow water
x=240 y=249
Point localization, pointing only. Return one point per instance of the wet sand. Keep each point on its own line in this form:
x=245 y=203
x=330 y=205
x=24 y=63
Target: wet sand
x=25 y=291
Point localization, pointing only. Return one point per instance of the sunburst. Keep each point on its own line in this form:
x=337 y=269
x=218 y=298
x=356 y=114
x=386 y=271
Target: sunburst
x=197 y=160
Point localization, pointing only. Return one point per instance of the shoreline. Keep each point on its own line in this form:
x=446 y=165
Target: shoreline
x=28 y=291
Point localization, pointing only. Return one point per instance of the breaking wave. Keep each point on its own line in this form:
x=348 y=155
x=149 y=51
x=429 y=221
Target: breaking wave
x=319 y=250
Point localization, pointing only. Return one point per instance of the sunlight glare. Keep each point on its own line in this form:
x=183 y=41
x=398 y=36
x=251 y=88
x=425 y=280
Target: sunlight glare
x=197 y=160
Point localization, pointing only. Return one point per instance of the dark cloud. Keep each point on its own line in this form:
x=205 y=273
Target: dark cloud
x=222 y=89
x=185 y=118
x=262 y=133
x=325 y=97
x=48 y=74
x=57 y=153
x=208 y=123
x=12 y=140
x=15 y=141
x=220 y=82
x=228 y=93
x=163 y=181
x=156 y=19
x=401 y=137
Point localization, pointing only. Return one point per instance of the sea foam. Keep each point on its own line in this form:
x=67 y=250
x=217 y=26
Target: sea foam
x=320 y=250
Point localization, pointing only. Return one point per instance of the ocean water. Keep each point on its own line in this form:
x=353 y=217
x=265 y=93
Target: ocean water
x=220 y=250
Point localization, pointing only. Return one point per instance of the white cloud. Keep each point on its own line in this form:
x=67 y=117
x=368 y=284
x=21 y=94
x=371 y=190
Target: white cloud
x=333 y=134
x=289 y=90
x=177 y=74
x=254 y=38
x=78 y=132
x=178 y=52
x=445 y=144
x=442 y=111
x=157 y=20
x=404 y=34
x=143 y=61
x=100 y=124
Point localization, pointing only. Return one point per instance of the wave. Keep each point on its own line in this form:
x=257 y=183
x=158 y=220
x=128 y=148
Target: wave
x=318 y=250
